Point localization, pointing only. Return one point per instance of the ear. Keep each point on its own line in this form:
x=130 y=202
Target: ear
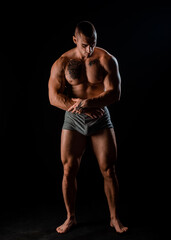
x=74 y=39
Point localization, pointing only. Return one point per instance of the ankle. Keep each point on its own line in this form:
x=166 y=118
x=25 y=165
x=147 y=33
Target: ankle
x=114 y=218
x=71 y=217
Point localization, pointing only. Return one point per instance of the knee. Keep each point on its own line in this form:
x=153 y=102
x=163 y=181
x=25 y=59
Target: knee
x=108 y=173
x=70 y=169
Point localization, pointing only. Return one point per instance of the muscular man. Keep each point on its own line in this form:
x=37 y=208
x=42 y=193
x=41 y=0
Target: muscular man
x=83 y=81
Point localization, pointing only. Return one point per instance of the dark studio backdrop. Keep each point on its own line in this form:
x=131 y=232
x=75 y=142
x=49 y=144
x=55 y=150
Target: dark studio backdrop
x=34 y=36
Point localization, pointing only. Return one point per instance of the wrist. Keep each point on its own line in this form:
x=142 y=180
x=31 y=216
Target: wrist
x=91 y=103
x=70 y=103
x=86 y=103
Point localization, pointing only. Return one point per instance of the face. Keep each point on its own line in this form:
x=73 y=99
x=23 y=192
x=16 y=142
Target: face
x=85 y=45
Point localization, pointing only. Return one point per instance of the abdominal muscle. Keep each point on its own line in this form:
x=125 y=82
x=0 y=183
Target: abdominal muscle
x=86 y=90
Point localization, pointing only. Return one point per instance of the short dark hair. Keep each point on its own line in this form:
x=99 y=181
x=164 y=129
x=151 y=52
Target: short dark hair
x=86 y=28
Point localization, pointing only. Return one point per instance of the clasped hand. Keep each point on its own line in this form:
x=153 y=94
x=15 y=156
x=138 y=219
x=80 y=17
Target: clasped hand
x=81 y=106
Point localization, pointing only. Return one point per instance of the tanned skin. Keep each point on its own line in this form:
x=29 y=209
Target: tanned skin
x=92 y=78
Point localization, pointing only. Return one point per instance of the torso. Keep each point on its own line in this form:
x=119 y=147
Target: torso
x=84 y=77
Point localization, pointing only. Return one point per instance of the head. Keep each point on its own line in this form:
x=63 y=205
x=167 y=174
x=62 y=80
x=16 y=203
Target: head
x=85 y=38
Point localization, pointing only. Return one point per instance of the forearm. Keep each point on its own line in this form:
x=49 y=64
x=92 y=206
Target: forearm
x=60 y=101
x=104 y=99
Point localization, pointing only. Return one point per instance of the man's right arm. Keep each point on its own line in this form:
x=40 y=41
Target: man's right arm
x=56 y=86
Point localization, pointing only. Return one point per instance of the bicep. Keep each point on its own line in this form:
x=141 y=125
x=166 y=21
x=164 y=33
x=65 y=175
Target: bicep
x=112 y=80
x=56 y=80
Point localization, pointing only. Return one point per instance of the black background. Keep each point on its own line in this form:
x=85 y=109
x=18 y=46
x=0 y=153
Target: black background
x=33 y=37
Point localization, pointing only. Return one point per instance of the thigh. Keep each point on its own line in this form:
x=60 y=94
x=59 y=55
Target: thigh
x=72 y=146
x=105 y=148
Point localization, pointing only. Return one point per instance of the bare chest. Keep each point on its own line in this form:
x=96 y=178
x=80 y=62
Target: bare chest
x=89 y=71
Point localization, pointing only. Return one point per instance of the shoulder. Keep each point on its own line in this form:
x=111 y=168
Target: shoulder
x=105 y=57
x=107 y=60
x=62 y=61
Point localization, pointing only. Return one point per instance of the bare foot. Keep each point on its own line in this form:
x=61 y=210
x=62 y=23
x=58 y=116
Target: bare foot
x=66 y=226
x=118 y=225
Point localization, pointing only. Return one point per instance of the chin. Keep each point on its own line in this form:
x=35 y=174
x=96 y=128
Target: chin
x=88 y=55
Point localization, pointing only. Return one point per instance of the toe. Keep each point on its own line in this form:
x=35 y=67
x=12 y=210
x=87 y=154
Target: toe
x=59 y=230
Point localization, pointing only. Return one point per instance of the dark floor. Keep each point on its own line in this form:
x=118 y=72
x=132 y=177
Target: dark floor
x=39 y=223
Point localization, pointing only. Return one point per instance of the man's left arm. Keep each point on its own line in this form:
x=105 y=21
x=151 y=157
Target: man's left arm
x=112 y=85
x=112 y=88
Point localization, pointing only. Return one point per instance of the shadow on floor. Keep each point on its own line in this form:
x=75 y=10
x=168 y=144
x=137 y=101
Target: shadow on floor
x=41 y=224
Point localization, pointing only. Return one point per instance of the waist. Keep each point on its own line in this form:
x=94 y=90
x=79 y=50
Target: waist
x=86 y=117
x=86 y=91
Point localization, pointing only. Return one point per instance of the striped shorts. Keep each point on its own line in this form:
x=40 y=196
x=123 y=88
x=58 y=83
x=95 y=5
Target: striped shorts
x=85 y=124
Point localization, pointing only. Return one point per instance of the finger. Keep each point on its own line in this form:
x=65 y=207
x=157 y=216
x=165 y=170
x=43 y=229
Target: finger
x=70 y=109
x=100 y=112
x=89 y=115
x=80 y=110
x=75 y=99
x=74 y=110
x=97 y=113
x=94 y=115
